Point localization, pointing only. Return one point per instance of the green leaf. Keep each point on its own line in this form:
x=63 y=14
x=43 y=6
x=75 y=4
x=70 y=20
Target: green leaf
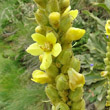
x=107 y=2
x=101 y=22
x=103 y=5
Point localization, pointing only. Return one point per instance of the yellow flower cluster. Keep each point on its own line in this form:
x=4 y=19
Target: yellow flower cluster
x=59 y=68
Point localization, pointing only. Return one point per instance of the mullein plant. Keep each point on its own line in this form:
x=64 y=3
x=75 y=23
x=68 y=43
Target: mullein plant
x=106 y=73
x=53 y=44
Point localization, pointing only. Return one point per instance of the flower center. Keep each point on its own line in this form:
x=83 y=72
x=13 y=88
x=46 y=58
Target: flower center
x=47 y=47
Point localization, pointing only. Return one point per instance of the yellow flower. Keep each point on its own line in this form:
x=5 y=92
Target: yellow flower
x=74 y=34
x=107 y=28
x=40 y=77
x=45 y=46
x=73 y=13
x=75 y=79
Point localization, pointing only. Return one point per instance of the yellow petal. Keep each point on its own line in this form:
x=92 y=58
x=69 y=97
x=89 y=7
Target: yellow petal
x=74 y=14
x=46 y=62
x=107 y=27
x=74 y=34
x=56 y=49
x=51 y=38
x=39 y=38
x=34 y=49
x=75 y=79
x=66 y=11
x=40 y=77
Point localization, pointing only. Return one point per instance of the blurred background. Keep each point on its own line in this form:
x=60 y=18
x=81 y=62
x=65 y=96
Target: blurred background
x=17 y=23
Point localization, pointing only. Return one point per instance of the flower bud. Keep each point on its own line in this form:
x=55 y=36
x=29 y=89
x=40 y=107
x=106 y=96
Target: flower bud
x=41 y=17
x=40 y=30
x=108 y=97
x=53 y=6
x=75 y=63
x=107 y=103
x=74 y=34
x=65 y=23
x=62 y=106
x=106 y=60
x=108 y=92
x=40 y=77
x=64 y=4
x=108 y=48
x=75 y=79
x=64 y=95
x=108 y=43
x=62 y=82
x=54 y=19
x=65 y=56
x=78 y=105
x=41 y=3
x=52 y=94
x=52 y=71
x=108 y=55
x=107 y=68
x=76 y=95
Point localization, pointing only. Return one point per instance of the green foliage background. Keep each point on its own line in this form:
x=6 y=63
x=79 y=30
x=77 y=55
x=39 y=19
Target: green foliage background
x=17 y=23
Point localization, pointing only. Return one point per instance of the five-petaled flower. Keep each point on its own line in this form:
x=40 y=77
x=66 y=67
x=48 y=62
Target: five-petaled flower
x=45 y=46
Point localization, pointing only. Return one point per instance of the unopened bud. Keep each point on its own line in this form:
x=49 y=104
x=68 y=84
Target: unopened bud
x=108 y=48
x=107 y=62
x=41 y=3
x=74 y=34
x=108 y=55
x=65 y=23
x=40 y=30
x=52 y=71
x=78 y=105
x=76 y=95
x=52 y=94
x=62 y=106
x=54 y=19
x=64 y=4
x=107 y=68
x=62 y=82
x=41 y=17
x=53 y=6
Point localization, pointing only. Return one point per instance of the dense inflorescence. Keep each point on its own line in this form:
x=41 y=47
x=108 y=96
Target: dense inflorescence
x=53 y=44
x=106 y=73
